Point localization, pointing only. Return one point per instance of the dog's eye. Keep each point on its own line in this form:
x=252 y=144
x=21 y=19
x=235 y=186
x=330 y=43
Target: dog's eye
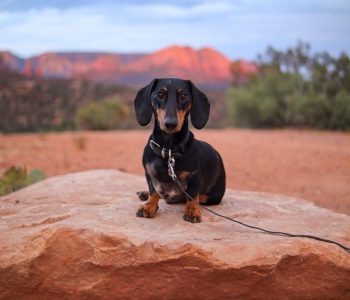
x=183 y=97
x=160 y=95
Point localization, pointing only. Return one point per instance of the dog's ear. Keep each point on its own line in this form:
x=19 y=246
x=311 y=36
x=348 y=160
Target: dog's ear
x=200 y=107
x=143 y=105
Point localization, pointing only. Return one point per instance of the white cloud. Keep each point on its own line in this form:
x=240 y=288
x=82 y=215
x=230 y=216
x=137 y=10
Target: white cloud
x=239 y=30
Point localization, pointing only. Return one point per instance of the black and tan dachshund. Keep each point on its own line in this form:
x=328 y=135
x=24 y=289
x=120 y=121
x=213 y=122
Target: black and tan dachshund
x=198 y=166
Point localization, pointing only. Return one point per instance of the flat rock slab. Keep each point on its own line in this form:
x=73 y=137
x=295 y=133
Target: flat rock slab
x=77 y=237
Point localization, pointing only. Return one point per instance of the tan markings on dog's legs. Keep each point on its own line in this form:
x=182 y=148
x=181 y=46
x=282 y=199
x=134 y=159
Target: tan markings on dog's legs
x=192 y=212
x=149 y=209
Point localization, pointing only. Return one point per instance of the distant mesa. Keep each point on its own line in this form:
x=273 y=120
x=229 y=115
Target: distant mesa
x=207 y=67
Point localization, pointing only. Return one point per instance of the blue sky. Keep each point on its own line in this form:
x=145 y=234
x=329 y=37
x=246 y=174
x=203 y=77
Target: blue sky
x=239 y=29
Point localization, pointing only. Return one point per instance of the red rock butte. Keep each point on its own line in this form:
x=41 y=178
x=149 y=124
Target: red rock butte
x=206 y=67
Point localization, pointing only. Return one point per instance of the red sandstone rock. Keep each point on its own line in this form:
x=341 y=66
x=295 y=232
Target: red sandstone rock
x=77 y=237
x=207 y=67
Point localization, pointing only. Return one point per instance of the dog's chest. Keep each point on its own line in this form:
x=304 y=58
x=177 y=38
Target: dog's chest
x=163 y=183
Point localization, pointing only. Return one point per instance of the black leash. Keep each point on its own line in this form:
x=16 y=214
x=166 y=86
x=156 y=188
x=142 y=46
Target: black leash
x=280 y=233
x=171 y=172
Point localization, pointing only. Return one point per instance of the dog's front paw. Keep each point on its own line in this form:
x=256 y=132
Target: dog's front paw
x=147 y=211
x=192 y=215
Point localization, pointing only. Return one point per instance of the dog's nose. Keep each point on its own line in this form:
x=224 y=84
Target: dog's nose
x=170 y=122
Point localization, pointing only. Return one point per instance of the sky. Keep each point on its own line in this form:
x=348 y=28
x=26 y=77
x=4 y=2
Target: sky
x=238 y=29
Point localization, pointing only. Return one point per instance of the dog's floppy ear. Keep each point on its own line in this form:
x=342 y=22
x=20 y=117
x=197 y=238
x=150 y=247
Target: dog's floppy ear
x=200 y=107
x=142 y=104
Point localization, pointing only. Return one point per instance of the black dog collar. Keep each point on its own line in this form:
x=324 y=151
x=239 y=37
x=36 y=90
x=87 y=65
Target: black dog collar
x=163 y=152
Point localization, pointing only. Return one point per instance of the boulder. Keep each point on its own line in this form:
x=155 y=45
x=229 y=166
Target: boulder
x=77 y=237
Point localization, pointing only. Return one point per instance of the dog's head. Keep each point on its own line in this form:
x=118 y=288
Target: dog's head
x=171 y=100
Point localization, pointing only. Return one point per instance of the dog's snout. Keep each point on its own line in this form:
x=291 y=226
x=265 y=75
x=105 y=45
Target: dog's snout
x=170 y=122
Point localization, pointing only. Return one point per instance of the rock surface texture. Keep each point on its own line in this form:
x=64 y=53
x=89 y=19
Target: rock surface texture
x=77 y=237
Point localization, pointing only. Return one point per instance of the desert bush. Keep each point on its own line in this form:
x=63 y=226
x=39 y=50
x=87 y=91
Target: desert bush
x=37 y=104
x=17 y=177
x=340 y=117
x=262 y=107
x=294 y=89
x=105 y=115
x=262 y=102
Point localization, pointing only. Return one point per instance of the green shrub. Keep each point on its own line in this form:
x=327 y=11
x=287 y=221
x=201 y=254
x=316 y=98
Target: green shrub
x=308 y=110
x=295 y=88
x=34 y=176
x=263 y=101
x=16 y=178
x=340 y=117
x=277 y=100
x=105 y=115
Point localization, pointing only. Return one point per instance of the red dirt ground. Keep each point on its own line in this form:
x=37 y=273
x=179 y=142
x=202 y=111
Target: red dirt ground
x=308 y=164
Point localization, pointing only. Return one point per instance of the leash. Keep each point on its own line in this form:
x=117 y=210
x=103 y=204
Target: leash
x=171 y=173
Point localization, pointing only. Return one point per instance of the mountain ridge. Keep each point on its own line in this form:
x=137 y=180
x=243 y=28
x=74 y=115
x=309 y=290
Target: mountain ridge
x=206 y=66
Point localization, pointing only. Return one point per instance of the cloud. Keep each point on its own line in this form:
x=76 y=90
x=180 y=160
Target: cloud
x=239 y=29
x=121 y=28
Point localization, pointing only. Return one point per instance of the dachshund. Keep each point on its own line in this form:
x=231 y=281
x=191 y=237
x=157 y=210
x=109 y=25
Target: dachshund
x=196 y=174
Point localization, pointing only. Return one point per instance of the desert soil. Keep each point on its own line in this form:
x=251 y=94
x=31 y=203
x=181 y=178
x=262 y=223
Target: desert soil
x=308 y=164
